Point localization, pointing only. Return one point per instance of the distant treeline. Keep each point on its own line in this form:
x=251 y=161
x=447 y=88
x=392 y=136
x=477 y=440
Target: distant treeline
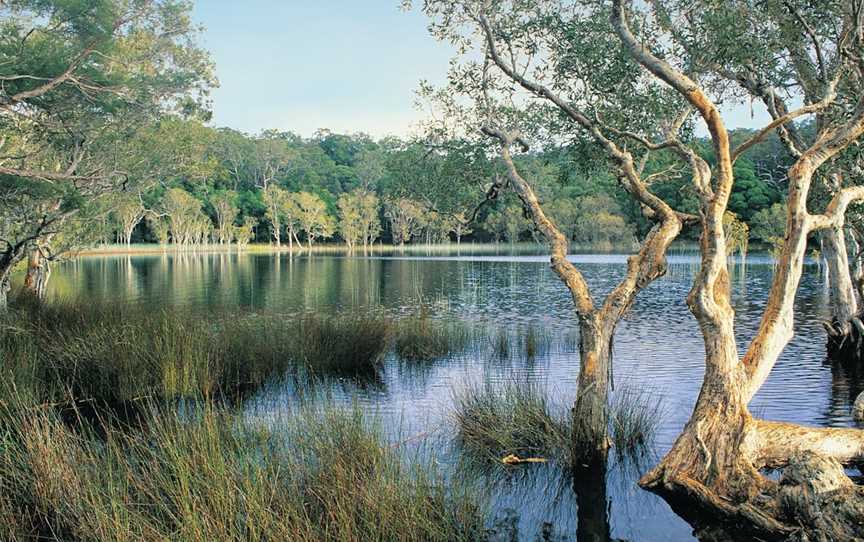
x=224 y=186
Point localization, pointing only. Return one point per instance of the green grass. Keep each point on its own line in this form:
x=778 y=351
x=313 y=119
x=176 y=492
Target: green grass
x=634 y=419
x=494 y=420
x=511 y=417
x=419 y=338
x=119 y=354
x=318 y=473
x=535 y=342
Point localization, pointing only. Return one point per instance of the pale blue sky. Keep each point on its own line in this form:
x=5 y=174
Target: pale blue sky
x=346 y=65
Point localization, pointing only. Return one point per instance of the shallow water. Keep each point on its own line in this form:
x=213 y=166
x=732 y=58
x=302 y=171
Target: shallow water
x=658 y=348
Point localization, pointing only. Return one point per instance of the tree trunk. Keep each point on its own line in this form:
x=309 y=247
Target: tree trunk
x=845 y=330
x=590 y=411
x=4 y=293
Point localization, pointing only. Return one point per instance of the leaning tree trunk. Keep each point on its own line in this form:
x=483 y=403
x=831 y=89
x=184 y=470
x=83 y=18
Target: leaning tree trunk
x=8 y=260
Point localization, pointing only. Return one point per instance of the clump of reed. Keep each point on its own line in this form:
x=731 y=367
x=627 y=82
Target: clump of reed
x=420 y=338
x=494 y=420
x=319 y=473
x=535 y=342
x=346 y=343
x=635 y=415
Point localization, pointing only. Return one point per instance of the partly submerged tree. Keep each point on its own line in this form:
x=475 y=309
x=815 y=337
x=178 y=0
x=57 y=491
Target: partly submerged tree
x=564 y=48
x=358 y=217
x=406 y=218
x=702 y=51
x=225 y=209
x=715 y=463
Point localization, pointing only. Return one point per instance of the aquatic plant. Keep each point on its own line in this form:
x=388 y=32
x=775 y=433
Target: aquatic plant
x=495 y=420
x=635 y=415
x=117 y=354
x=420 y=338
x=317 y=473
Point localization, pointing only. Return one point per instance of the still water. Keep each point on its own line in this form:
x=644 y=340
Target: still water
x=658 y=348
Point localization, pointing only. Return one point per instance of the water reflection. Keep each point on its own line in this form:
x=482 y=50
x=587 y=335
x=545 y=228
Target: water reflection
x=658 y=346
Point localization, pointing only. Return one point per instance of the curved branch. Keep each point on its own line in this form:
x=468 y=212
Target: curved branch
x=780 y=121
x=568 y=273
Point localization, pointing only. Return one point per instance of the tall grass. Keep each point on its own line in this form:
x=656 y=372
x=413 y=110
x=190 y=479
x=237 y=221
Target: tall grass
x=511 y=417
x=494 y=420
x=319 y=473
x=118 y=354
x=420 y=338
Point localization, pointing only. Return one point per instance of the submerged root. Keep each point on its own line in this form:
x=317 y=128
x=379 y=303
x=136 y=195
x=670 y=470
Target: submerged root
x=814 y=500
x=845 y=343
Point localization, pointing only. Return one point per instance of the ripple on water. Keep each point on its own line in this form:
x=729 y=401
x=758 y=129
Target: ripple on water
x=657 y=347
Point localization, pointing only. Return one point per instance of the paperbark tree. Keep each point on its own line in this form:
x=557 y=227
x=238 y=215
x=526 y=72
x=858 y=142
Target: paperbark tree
x=312 y=217
x=505 y=31
x=714 y=465
x=226 y=213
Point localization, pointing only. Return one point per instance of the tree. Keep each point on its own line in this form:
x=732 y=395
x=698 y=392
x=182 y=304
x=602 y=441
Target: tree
x=160 y=227
x=79 y=79
x=187 y=223
x=539 y=34
x=769 y=224
x=694 y=49
x=358 y=217
x=128 y=210
x=312 y=217
x=226 y=213
x=715 y=463
x=244 y=233
x=405 y=218
x=276 y=199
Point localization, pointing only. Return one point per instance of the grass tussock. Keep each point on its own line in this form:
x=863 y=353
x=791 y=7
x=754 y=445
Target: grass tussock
x=635 y=415
x=494 y=420
x=511 y=417
x=320 y=473
x=420 y=338
x=536 y=342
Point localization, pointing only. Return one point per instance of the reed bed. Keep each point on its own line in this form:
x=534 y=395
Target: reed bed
x=318 y=473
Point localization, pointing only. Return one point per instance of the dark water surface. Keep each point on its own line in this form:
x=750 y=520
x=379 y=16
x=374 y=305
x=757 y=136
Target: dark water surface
x=658 y=348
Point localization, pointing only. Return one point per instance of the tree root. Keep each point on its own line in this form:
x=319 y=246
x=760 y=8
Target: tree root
x=712 y=516
x=845 y=346
x=814 y=501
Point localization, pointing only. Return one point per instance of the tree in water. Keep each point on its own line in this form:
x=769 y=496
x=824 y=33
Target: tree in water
x=512 y=35
x=714 y=465
x=358 y=218
x=406 y=218
x=226 y=211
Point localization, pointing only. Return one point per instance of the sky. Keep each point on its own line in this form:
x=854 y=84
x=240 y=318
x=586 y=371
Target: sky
x=301 y=65
x=344 y=65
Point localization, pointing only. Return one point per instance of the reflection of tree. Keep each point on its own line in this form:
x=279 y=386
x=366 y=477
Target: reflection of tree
x=589 y=485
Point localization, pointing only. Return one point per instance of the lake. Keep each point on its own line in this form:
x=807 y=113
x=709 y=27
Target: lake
x=657 y=348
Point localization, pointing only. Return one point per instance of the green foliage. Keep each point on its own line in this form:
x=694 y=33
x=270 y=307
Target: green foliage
x=769 y=225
